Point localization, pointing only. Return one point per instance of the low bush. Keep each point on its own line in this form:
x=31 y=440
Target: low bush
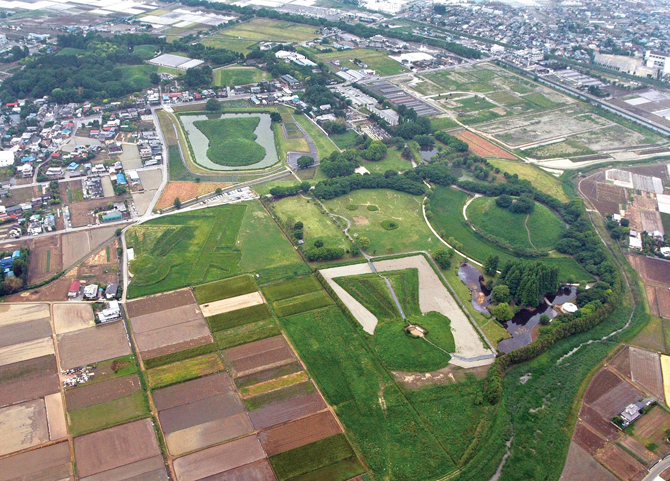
x=389 y=224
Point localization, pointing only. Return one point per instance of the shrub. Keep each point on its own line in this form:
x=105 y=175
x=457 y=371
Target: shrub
x=504 y=201
x=372 y=208
x=389 y=224
x=442 y=258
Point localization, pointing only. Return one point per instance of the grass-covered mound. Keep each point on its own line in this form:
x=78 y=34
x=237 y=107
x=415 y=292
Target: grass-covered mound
x=396 y=349
x=232 y=142
x=541 y=232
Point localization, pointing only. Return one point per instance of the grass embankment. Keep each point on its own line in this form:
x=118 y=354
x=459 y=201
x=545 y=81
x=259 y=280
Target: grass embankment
x=543 y=228
x=232 y=142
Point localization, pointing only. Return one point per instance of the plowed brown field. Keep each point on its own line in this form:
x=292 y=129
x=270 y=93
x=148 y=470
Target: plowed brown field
x=191 y=391
x=280 y=412
x=186 y=191
x=484 y=148
x=100 y=392
x=298 y=433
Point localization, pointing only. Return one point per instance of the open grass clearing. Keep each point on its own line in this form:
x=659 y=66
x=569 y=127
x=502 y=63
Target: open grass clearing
x=108 y=414
x=184 y=370
x=541 y=180
x=232 y=76
x=239 y=45
x=291 y=288
x=412 y=233
x=145 y=51
x=392 y=161
x=324 y=145
x=224 y=289
x=271 y=30
x=302 y=303
x=246 y=333
x=346 y=140
x=542 y=227
x=138 y=75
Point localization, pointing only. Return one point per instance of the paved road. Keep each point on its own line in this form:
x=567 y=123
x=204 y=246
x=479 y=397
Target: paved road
x=292 y=157
x=657 y=469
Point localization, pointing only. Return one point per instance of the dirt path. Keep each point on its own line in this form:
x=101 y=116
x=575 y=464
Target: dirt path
x=525 y=224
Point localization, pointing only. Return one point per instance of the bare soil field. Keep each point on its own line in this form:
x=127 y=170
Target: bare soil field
x=94 y=344
x=257 y=471
x=167 y=318
x=72 y=317
x=73 y=186
x=28 y=369
x=620 y=462
x=642 y=213
x=616 y=400
x=115 y=447
x=17 y=313
x=209 y=433
x=150 y=469
x=597 y=423
x=55 y=291
x=46 y=258
x=200 y=412
x=24 y=332
x=56 y=416
x=219 y=459
x=268 y=374
x=652 y=269
x=167 y=336
x=77 y=245
x=80 y=212
x=603 y=382
x=100 y=392
x=101 y=266
x=49 y=462
x=652 y=427
x=621 y=362
x=25 y=351
x=23 y=426
x=298 y=433
x=283 y=411
x=604 y=197
x=186 y=191
x=190 y=391
x=663 y=302
x=176 y=347
x=483 y=147
x=580 y=466
x=258 y=355
x=587 y=439
x=29 y=388
x=646 y=371
x=232 y=304
x=159 y=303
x=638 y=449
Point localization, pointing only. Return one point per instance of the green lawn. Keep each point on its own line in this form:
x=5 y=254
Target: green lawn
x=377 y=60
x=138 y=75
x=543 y=227
x=541 y=180
x=324 y=145
x=317 y=224
x=271 y=30
x=232 y=141
x=346 y=140
x=447 y=207
x=442 y=123
x=412 y=233
x=145 y=51
x=196 y=247
x=475 y=103
x=231 y=76
x=239 y=45
x=392 y=161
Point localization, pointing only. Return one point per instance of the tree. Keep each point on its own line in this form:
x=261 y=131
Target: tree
x=275 y=117
x=442 y=258
x=298 y=225
x=491 y=265
x=213 y=105
x=218 y=190
x=500 y=294
x=544 y=319
x=305 y=162
x=318 y=243
x=177 y=203
x=502 y=312
x=504 y=201
x=154 y=78
x=363 y=242
x=376 y=151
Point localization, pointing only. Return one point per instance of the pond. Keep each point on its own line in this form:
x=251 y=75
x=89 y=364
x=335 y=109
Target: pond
x=521 y=327
x=474 y=279
x=564 y=294
x=200 y=143
x=427 y=153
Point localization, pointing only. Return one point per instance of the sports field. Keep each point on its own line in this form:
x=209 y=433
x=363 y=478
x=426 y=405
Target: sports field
x=272 y=30
x=231 y=76
x=539 y=230
x=192 y=248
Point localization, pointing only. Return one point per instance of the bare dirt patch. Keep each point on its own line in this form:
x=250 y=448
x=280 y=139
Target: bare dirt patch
x=114 y=447
x=483 y=147
x=199 y=412
x=283 y=411
x=616 y=400
x=49 y=462
x=72 y=317
x=190 y=391
x=597 y=423
x=298 y=433
x=446 y=375
x=259 y=355
x=17 y=313
x=186 y=191
x=159 y=302
x=55 y=291
x=621 y=362
x=166 y=336
x=81 y=213
x=55 y=416
x=29 y=388
x=232 y=304
x=94 y=344
x=23 y=426
x=603 y=382
x=219 y=459
x=360 y=220
x=167 y=318
x=646 y=371
x=46 y=258
x=100 y=392
x=620 y=462
x=587 y=439
x=26 y=350
x=209 y=433
x=24 y=332
x=179 y=346
x=580 y=466
x=256 y=471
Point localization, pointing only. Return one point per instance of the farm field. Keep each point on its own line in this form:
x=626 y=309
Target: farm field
x=72 y=317
x=291 y=288
x=190 y=248
x=539 y=230
x=484 y=148
x=412 y=233
x=235 y=44
x=271 y=30
x=541 y=179
x=107 y=414
x=51 y=461
x=446 y=206
x=230 y=77
x=317 y=224
x=93 y=344
x=224 y=289
x=181 y=371
x=186 y=191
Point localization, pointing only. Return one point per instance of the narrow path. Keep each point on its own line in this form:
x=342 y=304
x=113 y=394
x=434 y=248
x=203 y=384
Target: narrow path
x=525 y=224
x=465 y=207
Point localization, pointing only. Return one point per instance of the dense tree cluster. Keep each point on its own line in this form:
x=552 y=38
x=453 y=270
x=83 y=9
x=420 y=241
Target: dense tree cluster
x=19 y=269
x=285 y=191
x=321 y=254
x=528 y=282
x=332 y=188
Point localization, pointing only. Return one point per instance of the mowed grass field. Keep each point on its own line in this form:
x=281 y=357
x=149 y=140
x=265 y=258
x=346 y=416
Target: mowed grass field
x=231 y=76
x=404 y=209
x=232 y=141
x=541 y=180
x=377 y=60
x=317 y=224
x=196 y=247
x=239 y=45
x=543 y=228
x=446 y=205
x=272 y=30
x=381 y=417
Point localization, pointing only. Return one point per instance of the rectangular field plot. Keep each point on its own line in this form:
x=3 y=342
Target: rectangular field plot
x=298 y=433
x=91 y=394
x=580 y=466
x=26 y=351
x=232 y=304
x=19 y=313
x=248 y=315
x=224 y=289
x=93 y=344
x=50 y=462
x=107 y=414
x=72 y=317
x=184 y=370
x=258 y=356
x=159 y=302
x=303 y=303
x=247 y=333
x=121 y=452
x=645 y=367
x=220 y=459
x=23 y=426
x=291 y=288
x=278 y=410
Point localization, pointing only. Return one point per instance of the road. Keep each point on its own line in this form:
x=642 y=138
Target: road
x=657 y=469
